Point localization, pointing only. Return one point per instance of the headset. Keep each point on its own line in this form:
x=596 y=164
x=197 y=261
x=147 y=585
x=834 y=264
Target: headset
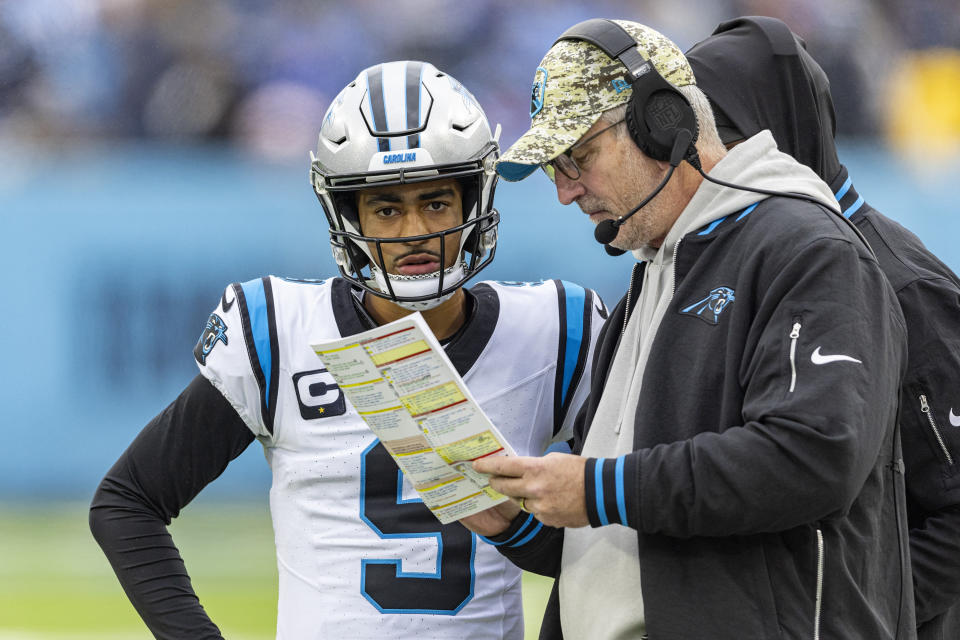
x=659 y=119
x=656 y=111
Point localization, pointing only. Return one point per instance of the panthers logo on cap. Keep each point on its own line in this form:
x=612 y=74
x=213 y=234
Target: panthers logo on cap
x=710 y=308
x=215 y=331
x=539 y=87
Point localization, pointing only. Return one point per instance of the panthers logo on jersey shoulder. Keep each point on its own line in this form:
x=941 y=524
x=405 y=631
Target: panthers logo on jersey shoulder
x=214 y=332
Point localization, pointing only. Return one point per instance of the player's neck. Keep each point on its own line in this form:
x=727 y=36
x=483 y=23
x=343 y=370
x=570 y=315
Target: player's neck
x=444 y=319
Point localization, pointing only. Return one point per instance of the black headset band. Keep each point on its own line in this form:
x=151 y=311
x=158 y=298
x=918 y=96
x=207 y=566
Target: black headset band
x=613 y=40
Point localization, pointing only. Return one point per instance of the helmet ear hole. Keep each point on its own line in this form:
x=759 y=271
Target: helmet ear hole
x=358 y=259
x=473 y=241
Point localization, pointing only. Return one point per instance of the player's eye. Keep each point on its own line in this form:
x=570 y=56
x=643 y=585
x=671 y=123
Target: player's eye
x=388 y=212
x=437 y=206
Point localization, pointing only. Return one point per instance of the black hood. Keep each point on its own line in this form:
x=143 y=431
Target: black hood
x=758 y=75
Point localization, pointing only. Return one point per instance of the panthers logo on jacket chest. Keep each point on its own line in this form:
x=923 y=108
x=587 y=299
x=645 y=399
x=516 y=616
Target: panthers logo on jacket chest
x=709 y=309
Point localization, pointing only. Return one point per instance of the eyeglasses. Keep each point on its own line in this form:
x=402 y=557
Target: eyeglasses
x=565 y=162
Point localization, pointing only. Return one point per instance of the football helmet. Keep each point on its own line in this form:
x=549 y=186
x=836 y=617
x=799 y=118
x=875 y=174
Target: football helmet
x=400 y=123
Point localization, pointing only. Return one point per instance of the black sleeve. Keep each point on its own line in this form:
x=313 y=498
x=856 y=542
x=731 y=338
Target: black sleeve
x=531 y=545
x=931 y=442
x=935 y=552
x=177 y=454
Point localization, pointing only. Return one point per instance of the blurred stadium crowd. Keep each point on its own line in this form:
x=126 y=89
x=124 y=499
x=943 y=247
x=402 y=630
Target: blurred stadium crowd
x=260 y=74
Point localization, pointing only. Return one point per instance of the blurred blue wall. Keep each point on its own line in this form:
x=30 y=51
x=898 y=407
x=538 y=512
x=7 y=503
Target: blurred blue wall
x=113 y=258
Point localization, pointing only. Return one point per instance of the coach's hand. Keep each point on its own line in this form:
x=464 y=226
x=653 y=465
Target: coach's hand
x=551 y=486
x=492 y=521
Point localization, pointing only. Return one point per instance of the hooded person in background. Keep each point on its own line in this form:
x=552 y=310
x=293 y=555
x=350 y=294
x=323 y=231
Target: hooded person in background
x=737 y=461
x=758 y=75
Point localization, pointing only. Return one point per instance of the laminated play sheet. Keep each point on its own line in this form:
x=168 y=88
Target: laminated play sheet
x=402 y=384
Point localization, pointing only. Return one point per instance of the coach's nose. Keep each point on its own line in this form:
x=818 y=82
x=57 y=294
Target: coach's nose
x=568 y=190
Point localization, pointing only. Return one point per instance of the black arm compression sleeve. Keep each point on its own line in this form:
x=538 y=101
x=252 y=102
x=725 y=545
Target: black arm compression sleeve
x=177 y=454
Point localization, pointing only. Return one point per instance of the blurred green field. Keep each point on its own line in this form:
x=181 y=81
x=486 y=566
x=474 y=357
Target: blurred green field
x=55 y=583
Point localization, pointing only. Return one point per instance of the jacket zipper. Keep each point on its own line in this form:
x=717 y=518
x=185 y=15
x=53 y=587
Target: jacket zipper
x=925 y=408
x=627 y=311
x=794 y=335
x=676 y=249
x=819 y=600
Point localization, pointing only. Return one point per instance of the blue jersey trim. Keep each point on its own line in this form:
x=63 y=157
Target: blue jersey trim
x=598 y=487
x=529 y=537
x=843 y=189
x=523 y=527
x=713 y=225
x=574 y=308
x=716 y=223
x=747 y=212
x=256 y=300
x=400 y=499
x=621 y=502
x=852 y=209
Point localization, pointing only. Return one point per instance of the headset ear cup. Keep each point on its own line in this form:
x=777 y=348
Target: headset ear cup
x=635 y=124
x=666 y=112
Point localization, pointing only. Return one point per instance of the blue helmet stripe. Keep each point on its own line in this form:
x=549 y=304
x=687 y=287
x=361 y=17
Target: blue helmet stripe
x=412 y=91
x=377 y=107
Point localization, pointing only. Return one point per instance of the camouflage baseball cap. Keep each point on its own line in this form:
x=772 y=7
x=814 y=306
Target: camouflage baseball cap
x=574 y=84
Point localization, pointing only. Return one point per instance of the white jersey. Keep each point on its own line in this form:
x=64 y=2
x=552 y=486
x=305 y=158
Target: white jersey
x=359 y=555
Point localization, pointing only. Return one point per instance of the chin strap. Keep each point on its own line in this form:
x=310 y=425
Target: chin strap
x=406 y=287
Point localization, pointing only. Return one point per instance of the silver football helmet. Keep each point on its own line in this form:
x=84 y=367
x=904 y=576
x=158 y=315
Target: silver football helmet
x=400 y=123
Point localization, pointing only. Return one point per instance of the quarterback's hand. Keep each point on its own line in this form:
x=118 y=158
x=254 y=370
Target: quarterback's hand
x=492 y=521
x=551 y=486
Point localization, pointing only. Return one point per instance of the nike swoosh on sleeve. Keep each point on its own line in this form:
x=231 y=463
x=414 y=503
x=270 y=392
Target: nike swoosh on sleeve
x=601 y=310
x=818 y=358
x=223 y=301
x=954 y=419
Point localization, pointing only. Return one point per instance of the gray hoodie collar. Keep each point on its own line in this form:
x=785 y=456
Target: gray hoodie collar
x=756 y=162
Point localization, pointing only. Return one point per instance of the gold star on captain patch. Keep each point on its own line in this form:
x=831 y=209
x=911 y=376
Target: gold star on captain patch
x=320 y=409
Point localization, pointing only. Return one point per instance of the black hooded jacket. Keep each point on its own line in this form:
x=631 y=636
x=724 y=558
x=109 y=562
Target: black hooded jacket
x=758 y=75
